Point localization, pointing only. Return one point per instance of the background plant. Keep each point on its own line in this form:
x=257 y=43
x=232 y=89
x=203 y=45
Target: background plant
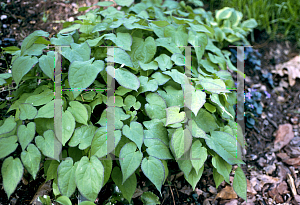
x=149 y=113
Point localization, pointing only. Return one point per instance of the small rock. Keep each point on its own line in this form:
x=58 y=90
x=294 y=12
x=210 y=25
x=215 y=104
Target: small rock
x=4 y=26
x=263 y=88
x=263 y=115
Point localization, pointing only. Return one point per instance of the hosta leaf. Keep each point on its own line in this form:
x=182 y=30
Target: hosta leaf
x=31 y=159
x=128 y=187
x=99 y=142
x=224 y=13
x=89 y=177
x=83 y=136
x=68 y=126
x=154 y=170
x=26 y=134
x=8 y=145
x=222 y=167
x=40 y=99
x=250 y=23
x=218 y=178
x=194 y=178
x=194 y=99
x=12 y=171
x=135 y=133
x=27 y=111
x=66 y=177
x=225 y=145
x=79 y=112
x=164 y=62
x=77 y=52
x=149 y=198
x=21 y=66
x=130 y=160
x=181 y=141
x=126 y=78
x=240 y=183
x=49 y=145
x=156 y=106
x=78 y=76
x=156 y=148
x=198 y=155
x=173 y=115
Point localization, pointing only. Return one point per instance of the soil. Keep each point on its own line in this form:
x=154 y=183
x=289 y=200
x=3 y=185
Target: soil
x=24 y=17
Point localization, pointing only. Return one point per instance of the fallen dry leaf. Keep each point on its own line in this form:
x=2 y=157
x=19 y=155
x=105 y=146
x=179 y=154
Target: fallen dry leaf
x=250 y=188
x=293 y=69
x=186 y=190
x=227 y=193
x=44 y=189
x=284 y=135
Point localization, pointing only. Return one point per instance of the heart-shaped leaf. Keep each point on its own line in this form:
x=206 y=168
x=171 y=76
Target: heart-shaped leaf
x=83 y=136
x=173 y=115
x=27 y=111
x=8 y=145
x=135 y=133
x=26 y=134
x=79 y=112
x=31 y=159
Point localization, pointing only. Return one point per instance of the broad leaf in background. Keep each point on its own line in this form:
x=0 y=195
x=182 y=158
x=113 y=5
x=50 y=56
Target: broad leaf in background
x=8 y=126
x=222 y=167
x=77 y=52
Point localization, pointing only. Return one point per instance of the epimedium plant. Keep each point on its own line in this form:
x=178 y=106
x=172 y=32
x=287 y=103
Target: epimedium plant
x=151 y=126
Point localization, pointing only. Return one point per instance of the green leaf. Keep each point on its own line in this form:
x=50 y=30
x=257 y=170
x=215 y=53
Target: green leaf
x=99 y=142
x=49 y=145
x=210 y=107
x=153 y=65
x=156 y=130
x=199 y=28
x=47 y=64
x=185 y=166
x=124 y=2
x=215 y=99
x=79 y=78
x=35 y=50
x=195 y=130
x=181 y=141
x=83 y=136
x=119 y=115
x=79 y=112
x=194 y=178
x=89 y=177
x=173 y=115
x=68 y=126
x=122 y=40
x=178 y=59
x=222 y=167
x=219 y=34
x=27 y=111
x=29 y=40
x=158 y=149
x=172 y=96
x=135 y=133
x=240 y=183
x=130 y=160
x=154 y=170
x=40 y=99
x=12 y=171
x=31 y=159
x=8 y=145
x=164 y=62
x=199 y=41
x=47 y=111
x=155 y=108
x=250 y=23
x=225 y=145
x=217 y=177
x=107 y=164
x=8 y=126
x=121 y=57
x=61 y=40
x=26 y=134
x=66 y=177
x=198 y=155
x=194 y=99
x=149 y=198
x=77 y=52
x=64 y=200
x=21 y=66
x=146 y=85
x=168 y=44
x=205 y=121
x=128 y=187
x=160 y=78
x=51 y=170
x=105 y=3
x=125 y=78
x=87 y=202
x=224 y=13
x=177 y=76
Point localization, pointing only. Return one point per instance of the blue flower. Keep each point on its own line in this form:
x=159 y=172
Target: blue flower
x=267 y=94
x=248 y=95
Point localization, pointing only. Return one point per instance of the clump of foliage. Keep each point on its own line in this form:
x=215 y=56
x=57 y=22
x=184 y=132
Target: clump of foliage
x=150 y=100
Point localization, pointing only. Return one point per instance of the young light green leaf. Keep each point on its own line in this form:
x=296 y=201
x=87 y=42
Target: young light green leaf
x=66 y=177
x=79 y=78
x=198 y=155
x=194 y=99
x=194 y=178
x=164 y=62
x=135 y=133
x=68 y=126
x=178 y=59
x=172 y=96
x=29 y=40
x=40 y=99
x=173 y=115
x=31 y=159
x=240 y=183
x=154 y=170
x=78 y=111
x=89 y=177
x=27 y=111
x=224 y=13
x=128 y=187
x=83 y=136
x=21 y=66
x=125 y=78
x=217 y=177
x=47 y=63
x=119 y=116
x=155 y=108
x=8 y=145
x=222 y=167
x=26 y=134
x=64 y=200
x=12 y=171
x=130 y=160
x=181 y=141
x=49 y=145
x=77 y=52
x=156 y=148
x=148 y=198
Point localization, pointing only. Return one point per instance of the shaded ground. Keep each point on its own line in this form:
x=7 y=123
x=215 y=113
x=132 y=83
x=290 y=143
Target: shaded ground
x=265 y=169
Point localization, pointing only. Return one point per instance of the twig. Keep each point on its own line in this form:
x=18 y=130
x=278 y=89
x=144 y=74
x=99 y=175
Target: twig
x=272 y=122
x=172 y=194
